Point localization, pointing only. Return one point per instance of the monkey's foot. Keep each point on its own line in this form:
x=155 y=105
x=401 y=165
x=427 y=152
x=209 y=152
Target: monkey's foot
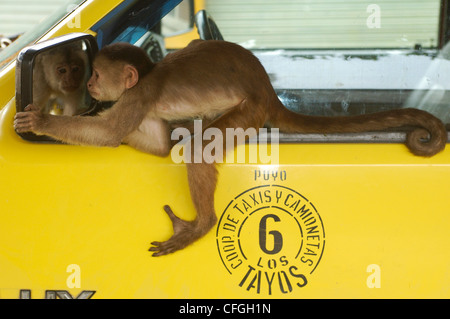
x=185 y=233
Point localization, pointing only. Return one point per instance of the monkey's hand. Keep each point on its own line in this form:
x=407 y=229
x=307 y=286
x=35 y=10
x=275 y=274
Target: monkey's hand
x=32 y=120
x=185 y=233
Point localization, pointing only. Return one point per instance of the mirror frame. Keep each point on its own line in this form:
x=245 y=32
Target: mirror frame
x=24 y=71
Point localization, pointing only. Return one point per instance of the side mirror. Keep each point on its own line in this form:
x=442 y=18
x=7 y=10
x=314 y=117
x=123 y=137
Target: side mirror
x=53 y=75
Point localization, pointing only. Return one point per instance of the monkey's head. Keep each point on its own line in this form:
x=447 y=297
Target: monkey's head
x=65 y=69
x=117 y=68
x=70 y=75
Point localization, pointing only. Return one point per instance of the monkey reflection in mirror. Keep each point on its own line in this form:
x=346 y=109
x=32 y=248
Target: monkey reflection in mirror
x=59 y=79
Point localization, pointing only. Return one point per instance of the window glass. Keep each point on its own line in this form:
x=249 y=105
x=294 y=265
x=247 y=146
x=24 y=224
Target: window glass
x=179 y=20
x=345 y=57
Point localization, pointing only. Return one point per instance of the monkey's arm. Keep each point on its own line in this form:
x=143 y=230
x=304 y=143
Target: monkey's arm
x=108 y=128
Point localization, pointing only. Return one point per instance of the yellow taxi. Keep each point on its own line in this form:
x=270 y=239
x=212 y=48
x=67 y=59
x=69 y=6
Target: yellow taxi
x=335 y=216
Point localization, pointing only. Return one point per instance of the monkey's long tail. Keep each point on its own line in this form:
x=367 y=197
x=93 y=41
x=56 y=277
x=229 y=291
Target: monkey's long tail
x=427 y=137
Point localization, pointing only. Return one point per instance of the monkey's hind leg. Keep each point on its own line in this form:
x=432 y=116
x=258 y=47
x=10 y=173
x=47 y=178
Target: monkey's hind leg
x=179 y=226
x=202 y=179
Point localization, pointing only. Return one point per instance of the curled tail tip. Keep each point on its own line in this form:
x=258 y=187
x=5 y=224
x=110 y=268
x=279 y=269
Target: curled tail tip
x=424 y=143
x=429 y=136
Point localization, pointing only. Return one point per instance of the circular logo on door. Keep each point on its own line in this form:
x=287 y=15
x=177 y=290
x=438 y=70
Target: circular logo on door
x=270 y=239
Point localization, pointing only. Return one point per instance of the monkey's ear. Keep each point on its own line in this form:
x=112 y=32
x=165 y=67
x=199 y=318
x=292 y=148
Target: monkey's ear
x=131 y=76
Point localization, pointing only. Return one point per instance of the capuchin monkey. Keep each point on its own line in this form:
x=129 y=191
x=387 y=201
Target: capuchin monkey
x=214 y=80
x=59 y=76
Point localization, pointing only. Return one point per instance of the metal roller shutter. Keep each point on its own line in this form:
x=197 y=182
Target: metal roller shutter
x=327 y=23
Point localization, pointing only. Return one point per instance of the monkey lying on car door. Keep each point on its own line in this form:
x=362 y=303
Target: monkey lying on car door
x=209 y=79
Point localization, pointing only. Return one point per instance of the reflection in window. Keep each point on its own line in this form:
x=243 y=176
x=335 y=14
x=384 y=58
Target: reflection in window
x=347 y=57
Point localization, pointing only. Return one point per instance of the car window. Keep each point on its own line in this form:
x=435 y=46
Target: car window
x=145 y=23
x=346 y=57
x=178 y=21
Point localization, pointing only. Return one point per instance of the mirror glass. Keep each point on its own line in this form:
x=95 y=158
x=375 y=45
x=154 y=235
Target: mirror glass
x=60 y=75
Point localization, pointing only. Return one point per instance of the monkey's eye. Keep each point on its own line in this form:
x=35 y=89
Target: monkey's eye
x=62 y=70
x=75 y=69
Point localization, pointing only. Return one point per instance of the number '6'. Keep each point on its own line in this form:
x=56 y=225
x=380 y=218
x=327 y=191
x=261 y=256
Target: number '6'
x=277 y=237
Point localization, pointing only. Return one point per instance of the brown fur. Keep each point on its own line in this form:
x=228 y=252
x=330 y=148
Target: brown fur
x=214 y=80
